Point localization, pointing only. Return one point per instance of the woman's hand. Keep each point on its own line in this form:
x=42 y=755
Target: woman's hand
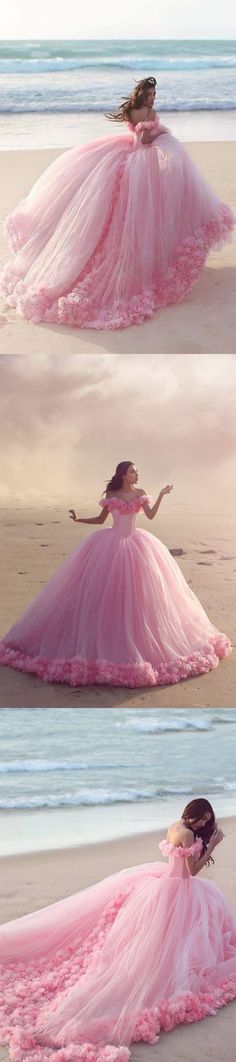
x=151 y=510
x=195 y=865
x=166 y=490
x=216 y=837
x=90 y=519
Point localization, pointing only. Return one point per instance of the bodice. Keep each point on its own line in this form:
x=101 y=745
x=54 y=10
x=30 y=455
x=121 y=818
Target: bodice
x=177 y=855
x=152 y=125
x=124 y=513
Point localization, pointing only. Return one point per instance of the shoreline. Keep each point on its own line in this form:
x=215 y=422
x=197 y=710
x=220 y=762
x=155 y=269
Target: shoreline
x=50 y=875
x=72 y=828
x=64 y=129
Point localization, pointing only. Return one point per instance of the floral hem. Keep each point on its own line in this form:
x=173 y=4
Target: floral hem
x=81 y=672
x=78 y=308
x=182 y=1009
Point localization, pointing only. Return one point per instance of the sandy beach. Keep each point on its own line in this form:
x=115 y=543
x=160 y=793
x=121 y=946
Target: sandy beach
x=32 y=881
x=35 y=541
x=88 y=793
x=204 y=323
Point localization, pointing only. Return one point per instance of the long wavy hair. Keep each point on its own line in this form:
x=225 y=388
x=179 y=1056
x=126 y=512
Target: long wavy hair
x=195 y=811
x=117 y=480
x=135 y=101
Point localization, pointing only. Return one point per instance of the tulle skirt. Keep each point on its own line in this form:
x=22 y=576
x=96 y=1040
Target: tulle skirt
x=118 y=612
x=141 y=952
x=111 y=233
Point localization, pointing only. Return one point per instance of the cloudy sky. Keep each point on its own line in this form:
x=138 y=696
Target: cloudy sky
x=100 y=18
x=64 y=425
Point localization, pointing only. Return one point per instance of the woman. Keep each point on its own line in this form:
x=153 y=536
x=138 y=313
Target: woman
x=118 y=611
x=144 y=950
x=115 y=230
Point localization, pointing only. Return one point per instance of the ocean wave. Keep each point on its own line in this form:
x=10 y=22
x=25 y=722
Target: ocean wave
x=86 y=798
x=104 y=797
x=31 y=766
x=155 y=726
x=174 y=725
x=98 y=107
x=39 y=766
x=145 y=64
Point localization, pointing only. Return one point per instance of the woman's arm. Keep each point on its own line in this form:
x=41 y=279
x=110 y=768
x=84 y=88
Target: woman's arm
x=151 y=510
x=149 y=135
x=195 y=865
x=92 y=519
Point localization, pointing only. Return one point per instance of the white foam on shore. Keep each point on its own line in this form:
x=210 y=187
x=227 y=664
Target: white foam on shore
x=20 y=132
x=32 y=831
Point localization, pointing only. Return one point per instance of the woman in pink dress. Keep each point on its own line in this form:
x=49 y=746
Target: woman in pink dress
x=115 y=230
x=119 y=611
x=143 y=951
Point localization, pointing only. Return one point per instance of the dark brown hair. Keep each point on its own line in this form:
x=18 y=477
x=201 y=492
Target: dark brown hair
x=135 y=101
x=117 y=480
x=195 y=811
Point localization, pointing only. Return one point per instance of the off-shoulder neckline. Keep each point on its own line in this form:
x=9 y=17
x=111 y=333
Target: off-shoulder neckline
x=132 y=494
x=168 y=847
x=135 y=501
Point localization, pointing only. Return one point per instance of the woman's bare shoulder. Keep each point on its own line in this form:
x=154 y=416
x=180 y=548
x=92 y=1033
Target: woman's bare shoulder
x=178 y=833
x=110 y=494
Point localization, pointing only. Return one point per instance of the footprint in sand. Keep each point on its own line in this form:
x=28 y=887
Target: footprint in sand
x=206 y=551
x=226 y=556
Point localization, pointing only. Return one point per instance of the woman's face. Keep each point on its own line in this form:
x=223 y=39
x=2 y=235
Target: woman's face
x=201 y=822
x=131 y=475
x=150 y=97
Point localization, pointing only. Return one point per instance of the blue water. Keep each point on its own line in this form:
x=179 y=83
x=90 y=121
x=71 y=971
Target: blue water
x=61 y=759
x=68 y=76
x=78 y=776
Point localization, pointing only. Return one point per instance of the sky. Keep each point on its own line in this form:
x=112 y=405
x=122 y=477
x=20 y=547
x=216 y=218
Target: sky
x=102 y=19
x=63 y=433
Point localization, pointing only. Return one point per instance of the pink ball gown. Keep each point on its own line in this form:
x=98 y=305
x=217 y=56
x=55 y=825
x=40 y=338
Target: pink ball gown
x=143 y=951
x=118 y=612
x=112 y=232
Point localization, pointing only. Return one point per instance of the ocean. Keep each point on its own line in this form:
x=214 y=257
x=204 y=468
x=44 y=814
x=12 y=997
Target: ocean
x=79 y=776
x=58 y=82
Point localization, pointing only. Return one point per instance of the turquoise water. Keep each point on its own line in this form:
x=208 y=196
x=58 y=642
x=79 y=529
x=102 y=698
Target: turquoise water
x=67 y=777
x=71 y=758
x=65 y=76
